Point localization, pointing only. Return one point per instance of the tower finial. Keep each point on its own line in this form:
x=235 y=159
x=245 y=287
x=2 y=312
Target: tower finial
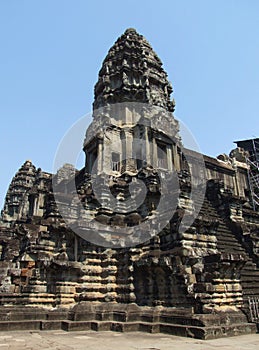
x=130 y=30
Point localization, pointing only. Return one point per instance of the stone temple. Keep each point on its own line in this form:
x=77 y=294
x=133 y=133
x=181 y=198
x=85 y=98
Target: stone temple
x=148 y=236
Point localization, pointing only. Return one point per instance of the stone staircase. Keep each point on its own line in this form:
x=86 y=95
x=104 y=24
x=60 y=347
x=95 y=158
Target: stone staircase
x=230 y=243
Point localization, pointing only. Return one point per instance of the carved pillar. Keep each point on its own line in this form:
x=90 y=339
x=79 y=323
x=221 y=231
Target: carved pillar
x=169 y=157
x=100 y=156
x=38 y=204
x=154 y=152
x=148 y=160
x=176 y=159
x=129 y=150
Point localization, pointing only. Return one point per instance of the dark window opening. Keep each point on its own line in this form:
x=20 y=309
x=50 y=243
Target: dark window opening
x=115 y=161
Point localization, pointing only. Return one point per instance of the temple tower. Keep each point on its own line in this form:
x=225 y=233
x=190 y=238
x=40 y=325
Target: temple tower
x=17 y=193
x=133 y=123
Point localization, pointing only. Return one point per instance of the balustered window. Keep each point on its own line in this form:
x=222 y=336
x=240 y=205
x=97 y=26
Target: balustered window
x=162 y=156
x=115 y=163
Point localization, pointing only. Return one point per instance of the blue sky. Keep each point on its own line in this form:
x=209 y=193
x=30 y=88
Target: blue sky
x=52 y=50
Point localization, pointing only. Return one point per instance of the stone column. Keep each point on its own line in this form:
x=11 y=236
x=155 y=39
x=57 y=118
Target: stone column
x=176 y=159
x=100 y=156
x=129 y=151
x=36 y=205
x=169 y=157
x=148 y=160
x=154 y=152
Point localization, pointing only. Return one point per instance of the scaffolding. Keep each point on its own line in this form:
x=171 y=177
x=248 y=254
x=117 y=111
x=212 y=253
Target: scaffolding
x=252 y=147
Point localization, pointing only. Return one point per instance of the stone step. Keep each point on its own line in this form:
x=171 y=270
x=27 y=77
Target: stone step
x=49 y=325
x=229 y=246
x=44 y=325
x=250 y=265
x=20 y=325
x=249 y=274
x=251 y=290
x=223 y=248
x=210 y=332
x=21 y=313
x=228 y=238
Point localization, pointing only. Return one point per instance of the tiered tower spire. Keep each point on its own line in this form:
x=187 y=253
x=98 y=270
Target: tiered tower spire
x=132 y=72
